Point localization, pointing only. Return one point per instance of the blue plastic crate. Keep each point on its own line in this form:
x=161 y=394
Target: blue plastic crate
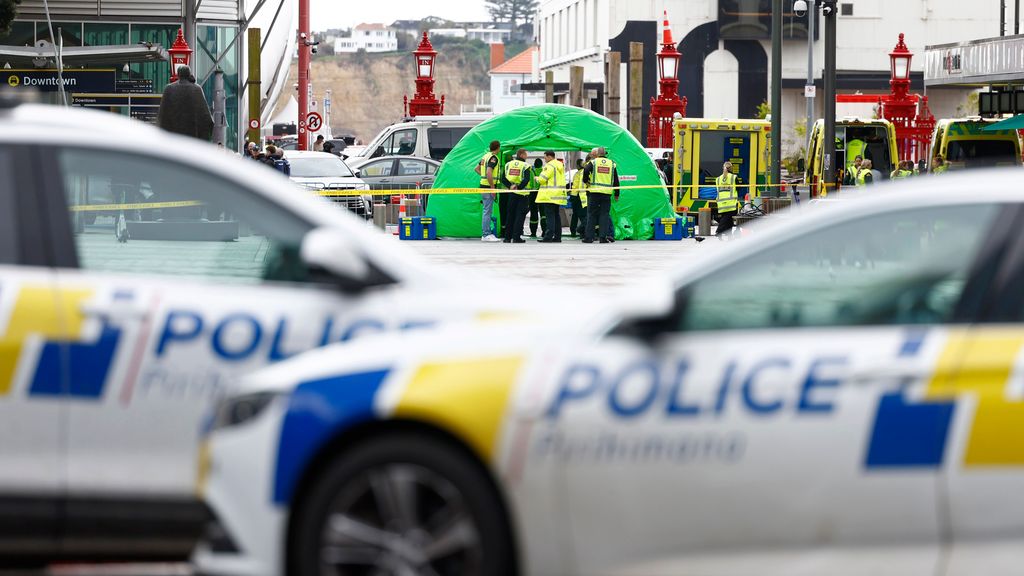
x=427 y=229
x=668 y=228
x=417 y=228
x=407 y=228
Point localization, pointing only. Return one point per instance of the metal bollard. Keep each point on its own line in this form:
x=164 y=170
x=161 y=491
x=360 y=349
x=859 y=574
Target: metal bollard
x=380 y=215
x=704 y=222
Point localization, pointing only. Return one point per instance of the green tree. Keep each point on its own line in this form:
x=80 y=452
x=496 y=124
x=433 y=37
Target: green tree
x=8 y=10
x=512 y=11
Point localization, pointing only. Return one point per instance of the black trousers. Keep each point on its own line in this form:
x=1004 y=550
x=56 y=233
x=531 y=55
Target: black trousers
x=535 y=215
x=553 y=222
x=599 y=213
x=579 y=216
x=725 y=222
x=517 y=206
x=503 y=214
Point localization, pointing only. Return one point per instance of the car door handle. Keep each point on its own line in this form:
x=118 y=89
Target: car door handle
x=113 y=311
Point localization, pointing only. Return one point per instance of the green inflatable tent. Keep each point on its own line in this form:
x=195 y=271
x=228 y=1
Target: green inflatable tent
x=550 y=127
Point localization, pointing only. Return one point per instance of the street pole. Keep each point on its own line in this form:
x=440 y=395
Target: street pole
x=828 y=175
x=1016 y=17
x=220 y=119
x=811 y=17
x=776 y=175
x=304 y=57
x=1002 y=17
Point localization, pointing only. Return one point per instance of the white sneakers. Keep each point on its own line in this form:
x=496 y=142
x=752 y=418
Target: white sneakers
x=490 y=238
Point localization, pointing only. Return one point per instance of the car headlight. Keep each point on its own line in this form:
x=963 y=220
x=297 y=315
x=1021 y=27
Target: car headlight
x=238 y=410
x=314 y=186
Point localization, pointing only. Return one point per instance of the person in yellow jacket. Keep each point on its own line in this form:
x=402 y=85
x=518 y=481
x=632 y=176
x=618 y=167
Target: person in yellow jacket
x=551 y=196
x=939 y=164
x=601 y=177
x=489 y=169
x=728 y=199
x=578 y=201
x=904 y=170
x=517 y=179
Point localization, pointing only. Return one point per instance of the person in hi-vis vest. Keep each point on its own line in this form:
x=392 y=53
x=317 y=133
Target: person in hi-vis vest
x=551 y=196
x=578 y=201
x=517 y=179
x=601 y=177
x=728 y=199
x=489 y=168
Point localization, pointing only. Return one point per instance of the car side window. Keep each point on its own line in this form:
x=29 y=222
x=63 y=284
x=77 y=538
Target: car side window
x=141 y=214
x=377 y=169
x=8 y=208
x=401 y=143
x=431 y=169
x=411 y=167
x=901 y=268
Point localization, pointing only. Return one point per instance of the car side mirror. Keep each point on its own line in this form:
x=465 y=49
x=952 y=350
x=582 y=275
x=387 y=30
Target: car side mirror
x=330 y=250
x=358 y=173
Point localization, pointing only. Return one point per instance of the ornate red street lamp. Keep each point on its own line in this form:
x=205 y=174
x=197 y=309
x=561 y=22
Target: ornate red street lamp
x=180 y=53
x=913 y=122
x=424 y=103
x=668 y=103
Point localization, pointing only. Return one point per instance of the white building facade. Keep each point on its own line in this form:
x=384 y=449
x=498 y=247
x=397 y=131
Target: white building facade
x=369 y=38
x=725 y=45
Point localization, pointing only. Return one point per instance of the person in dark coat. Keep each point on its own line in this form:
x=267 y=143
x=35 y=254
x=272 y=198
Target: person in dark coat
x=183 y=108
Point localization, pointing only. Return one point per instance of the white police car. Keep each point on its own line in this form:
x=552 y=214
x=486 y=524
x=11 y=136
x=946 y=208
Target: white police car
x=842 y=392
x=140 y=273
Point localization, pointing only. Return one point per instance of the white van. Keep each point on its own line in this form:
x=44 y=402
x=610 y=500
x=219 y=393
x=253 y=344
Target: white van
x=423 y=136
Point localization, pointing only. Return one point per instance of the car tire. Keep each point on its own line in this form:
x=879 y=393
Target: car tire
x=342 y=525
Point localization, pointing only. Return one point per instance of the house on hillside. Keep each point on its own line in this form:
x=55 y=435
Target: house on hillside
x=506 y=75
x=416 y=27
x=490 y=35
x=368 y=37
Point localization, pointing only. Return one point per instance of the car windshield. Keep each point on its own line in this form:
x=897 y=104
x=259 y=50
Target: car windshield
x=319 y=168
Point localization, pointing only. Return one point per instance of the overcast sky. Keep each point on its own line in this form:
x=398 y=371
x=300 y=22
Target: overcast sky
x=327 y=14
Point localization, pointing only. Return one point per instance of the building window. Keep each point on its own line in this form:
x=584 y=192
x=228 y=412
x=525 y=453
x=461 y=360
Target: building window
x=21 y=34
x=846 y=9
x=506 y=87
x=163 y=35
x=70 y=32
x=105 y=34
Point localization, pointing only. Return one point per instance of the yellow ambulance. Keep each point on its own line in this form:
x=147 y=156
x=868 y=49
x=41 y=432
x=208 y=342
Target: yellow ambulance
x=873 y=139
x=702 y=145
x=963 y=144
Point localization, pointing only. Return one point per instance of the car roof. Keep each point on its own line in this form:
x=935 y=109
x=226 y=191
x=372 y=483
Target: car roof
x=965 y=188
x=99 y=130
x=309 y=154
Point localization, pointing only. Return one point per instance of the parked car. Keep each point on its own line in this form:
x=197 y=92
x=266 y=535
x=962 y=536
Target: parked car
x=396 y=172
x=112 y=349
x=836 y=393
x=325 y=173
x=423 y=136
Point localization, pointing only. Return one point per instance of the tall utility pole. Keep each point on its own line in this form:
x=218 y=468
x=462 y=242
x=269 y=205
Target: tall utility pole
x=828 y=175
x=776 y=175
x=612 y=69
x=304 y=57
x=812 y=15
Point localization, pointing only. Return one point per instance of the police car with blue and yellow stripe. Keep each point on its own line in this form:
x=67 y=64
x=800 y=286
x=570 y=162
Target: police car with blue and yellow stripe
x=839 y=392
x=141 y=273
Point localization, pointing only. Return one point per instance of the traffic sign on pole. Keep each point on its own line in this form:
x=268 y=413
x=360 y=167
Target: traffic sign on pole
x=314 y=121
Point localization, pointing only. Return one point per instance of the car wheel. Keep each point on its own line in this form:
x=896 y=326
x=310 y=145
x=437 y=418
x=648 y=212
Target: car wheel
x=402 y=504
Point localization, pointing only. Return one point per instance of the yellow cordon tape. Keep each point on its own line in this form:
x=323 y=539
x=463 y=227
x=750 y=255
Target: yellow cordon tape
x=144 y=206
x=406 y=192
x=439 y=191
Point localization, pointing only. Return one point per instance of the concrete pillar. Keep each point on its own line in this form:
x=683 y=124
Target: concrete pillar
x=576 y=86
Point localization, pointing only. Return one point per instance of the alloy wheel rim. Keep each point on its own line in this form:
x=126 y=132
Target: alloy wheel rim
x=400 y=520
